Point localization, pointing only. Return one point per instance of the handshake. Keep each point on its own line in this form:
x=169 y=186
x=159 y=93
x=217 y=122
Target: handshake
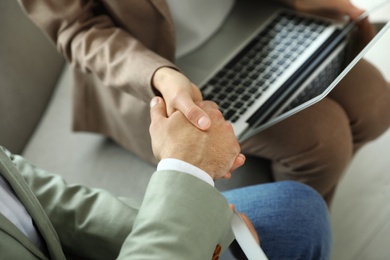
x=215 y=150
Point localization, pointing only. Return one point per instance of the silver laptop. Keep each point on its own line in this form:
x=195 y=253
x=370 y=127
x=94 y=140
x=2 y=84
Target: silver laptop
x=267 y=63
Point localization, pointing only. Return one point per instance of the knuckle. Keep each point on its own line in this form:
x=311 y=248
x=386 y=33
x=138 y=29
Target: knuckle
x=216 y=114
x=228 y=127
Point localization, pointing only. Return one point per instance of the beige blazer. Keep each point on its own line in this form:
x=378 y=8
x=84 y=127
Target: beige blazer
x=114 y=48
x=77 y=222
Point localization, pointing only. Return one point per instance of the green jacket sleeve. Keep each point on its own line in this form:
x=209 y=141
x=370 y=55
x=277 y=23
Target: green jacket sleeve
x=181 y=217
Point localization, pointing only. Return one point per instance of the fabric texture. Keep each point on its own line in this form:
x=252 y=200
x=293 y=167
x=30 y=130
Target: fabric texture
x=114 y=48
x=291 y=220
x=317 y=144
x=172 y=223
x=80 y=222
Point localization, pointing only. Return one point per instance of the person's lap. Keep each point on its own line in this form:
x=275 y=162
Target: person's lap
x=302 y=147
x=364 y=95
x=316 y=145
x=290 y=218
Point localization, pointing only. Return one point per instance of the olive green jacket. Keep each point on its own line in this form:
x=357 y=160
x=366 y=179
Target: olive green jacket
x=181 y=217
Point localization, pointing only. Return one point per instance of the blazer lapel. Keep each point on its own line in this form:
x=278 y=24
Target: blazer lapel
x=8 y=227
x=28 y=199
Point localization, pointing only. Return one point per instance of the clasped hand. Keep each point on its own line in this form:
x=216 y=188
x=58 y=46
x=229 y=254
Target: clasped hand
x=211 y=144
x=215 y=150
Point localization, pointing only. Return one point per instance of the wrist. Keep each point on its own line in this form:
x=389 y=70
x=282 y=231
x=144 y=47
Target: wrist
x=185 y=167
x=161 y=77
x=194 y=158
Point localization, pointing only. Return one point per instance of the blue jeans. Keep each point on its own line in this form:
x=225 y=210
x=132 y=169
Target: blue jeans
x=291 y=219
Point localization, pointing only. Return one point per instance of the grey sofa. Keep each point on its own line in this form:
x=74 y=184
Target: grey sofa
x=35 y=117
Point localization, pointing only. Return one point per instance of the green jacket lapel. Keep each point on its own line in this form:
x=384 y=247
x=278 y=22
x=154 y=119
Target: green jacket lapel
x=28 y=199
x=8 y=227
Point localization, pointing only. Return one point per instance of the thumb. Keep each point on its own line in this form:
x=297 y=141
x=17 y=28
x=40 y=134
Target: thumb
x=157 y=109
x=193 y=113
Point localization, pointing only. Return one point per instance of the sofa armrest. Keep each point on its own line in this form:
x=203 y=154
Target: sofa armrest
x=29 y=69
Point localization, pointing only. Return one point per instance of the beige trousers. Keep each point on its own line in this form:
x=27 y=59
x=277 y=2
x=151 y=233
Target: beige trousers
x=316 y=145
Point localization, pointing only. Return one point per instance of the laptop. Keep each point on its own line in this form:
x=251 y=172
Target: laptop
x=267 y=63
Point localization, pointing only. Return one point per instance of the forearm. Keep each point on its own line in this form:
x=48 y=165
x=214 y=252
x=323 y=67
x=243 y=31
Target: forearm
x=88 y=38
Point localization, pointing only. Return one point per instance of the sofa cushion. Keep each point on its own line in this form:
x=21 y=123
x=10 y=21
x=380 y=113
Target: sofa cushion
x=29 y=70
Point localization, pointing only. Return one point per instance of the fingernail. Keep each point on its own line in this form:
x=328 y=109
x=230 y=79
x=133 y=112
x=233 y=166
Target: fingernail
x=241 y=159
x=204 y=122
x=154 y=101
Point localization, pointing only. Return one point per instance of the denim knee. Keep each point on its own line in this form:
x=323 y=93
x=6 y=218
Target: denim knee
x=291 y=219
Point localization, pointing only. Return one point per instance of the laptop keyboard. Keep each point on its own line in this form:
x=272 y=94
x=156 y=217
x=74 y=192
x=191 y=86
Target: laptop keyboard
x=320 y=82
x=248 y=76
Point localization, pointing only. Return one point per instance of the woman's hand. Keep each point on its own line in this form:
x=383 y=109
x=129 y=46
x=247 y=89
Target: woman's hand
x=181 y=94
x=341 y=7
x=215 y=151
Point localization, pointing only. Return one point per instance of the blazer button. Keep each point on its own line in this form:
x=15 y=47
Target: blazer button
x=217 y=251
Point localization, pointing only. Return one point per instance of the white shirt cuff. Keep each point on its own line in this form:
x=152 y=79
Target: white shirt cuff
x=182 y=166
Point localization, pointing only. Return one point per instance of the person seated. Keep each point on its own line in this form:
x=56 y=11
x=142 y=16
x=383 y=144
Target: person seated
x=122 y=55
x=182 y=215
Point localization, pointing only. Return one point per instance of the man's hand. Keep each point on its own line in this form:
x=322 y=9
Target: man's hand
x=181 y=94
x=248 y=223
x=341 y=7
x=215 y=151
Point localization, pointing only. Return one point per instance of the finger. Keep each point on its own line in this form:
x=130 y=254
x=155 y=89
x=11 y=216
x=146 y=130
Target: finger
x=249 y=224
x=196 y=92
x=367 y=30
x=157 y=109
x=346 y=7
x=238 y=162
x=232 y=207
x=227 y=175
x=193 y=113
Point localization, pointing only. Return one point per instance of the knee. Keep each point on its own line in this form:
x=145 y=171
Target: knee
x=303 y=230
x=314 y=230
x=331 y=133
x=328 y=151
x=372 y=118
x=365 y=96
x=332 y=144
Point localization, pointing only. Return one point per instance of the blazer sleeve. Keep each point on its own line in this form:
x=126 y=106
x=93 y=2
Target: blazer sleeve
x=87 y=36
x=181 y=217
